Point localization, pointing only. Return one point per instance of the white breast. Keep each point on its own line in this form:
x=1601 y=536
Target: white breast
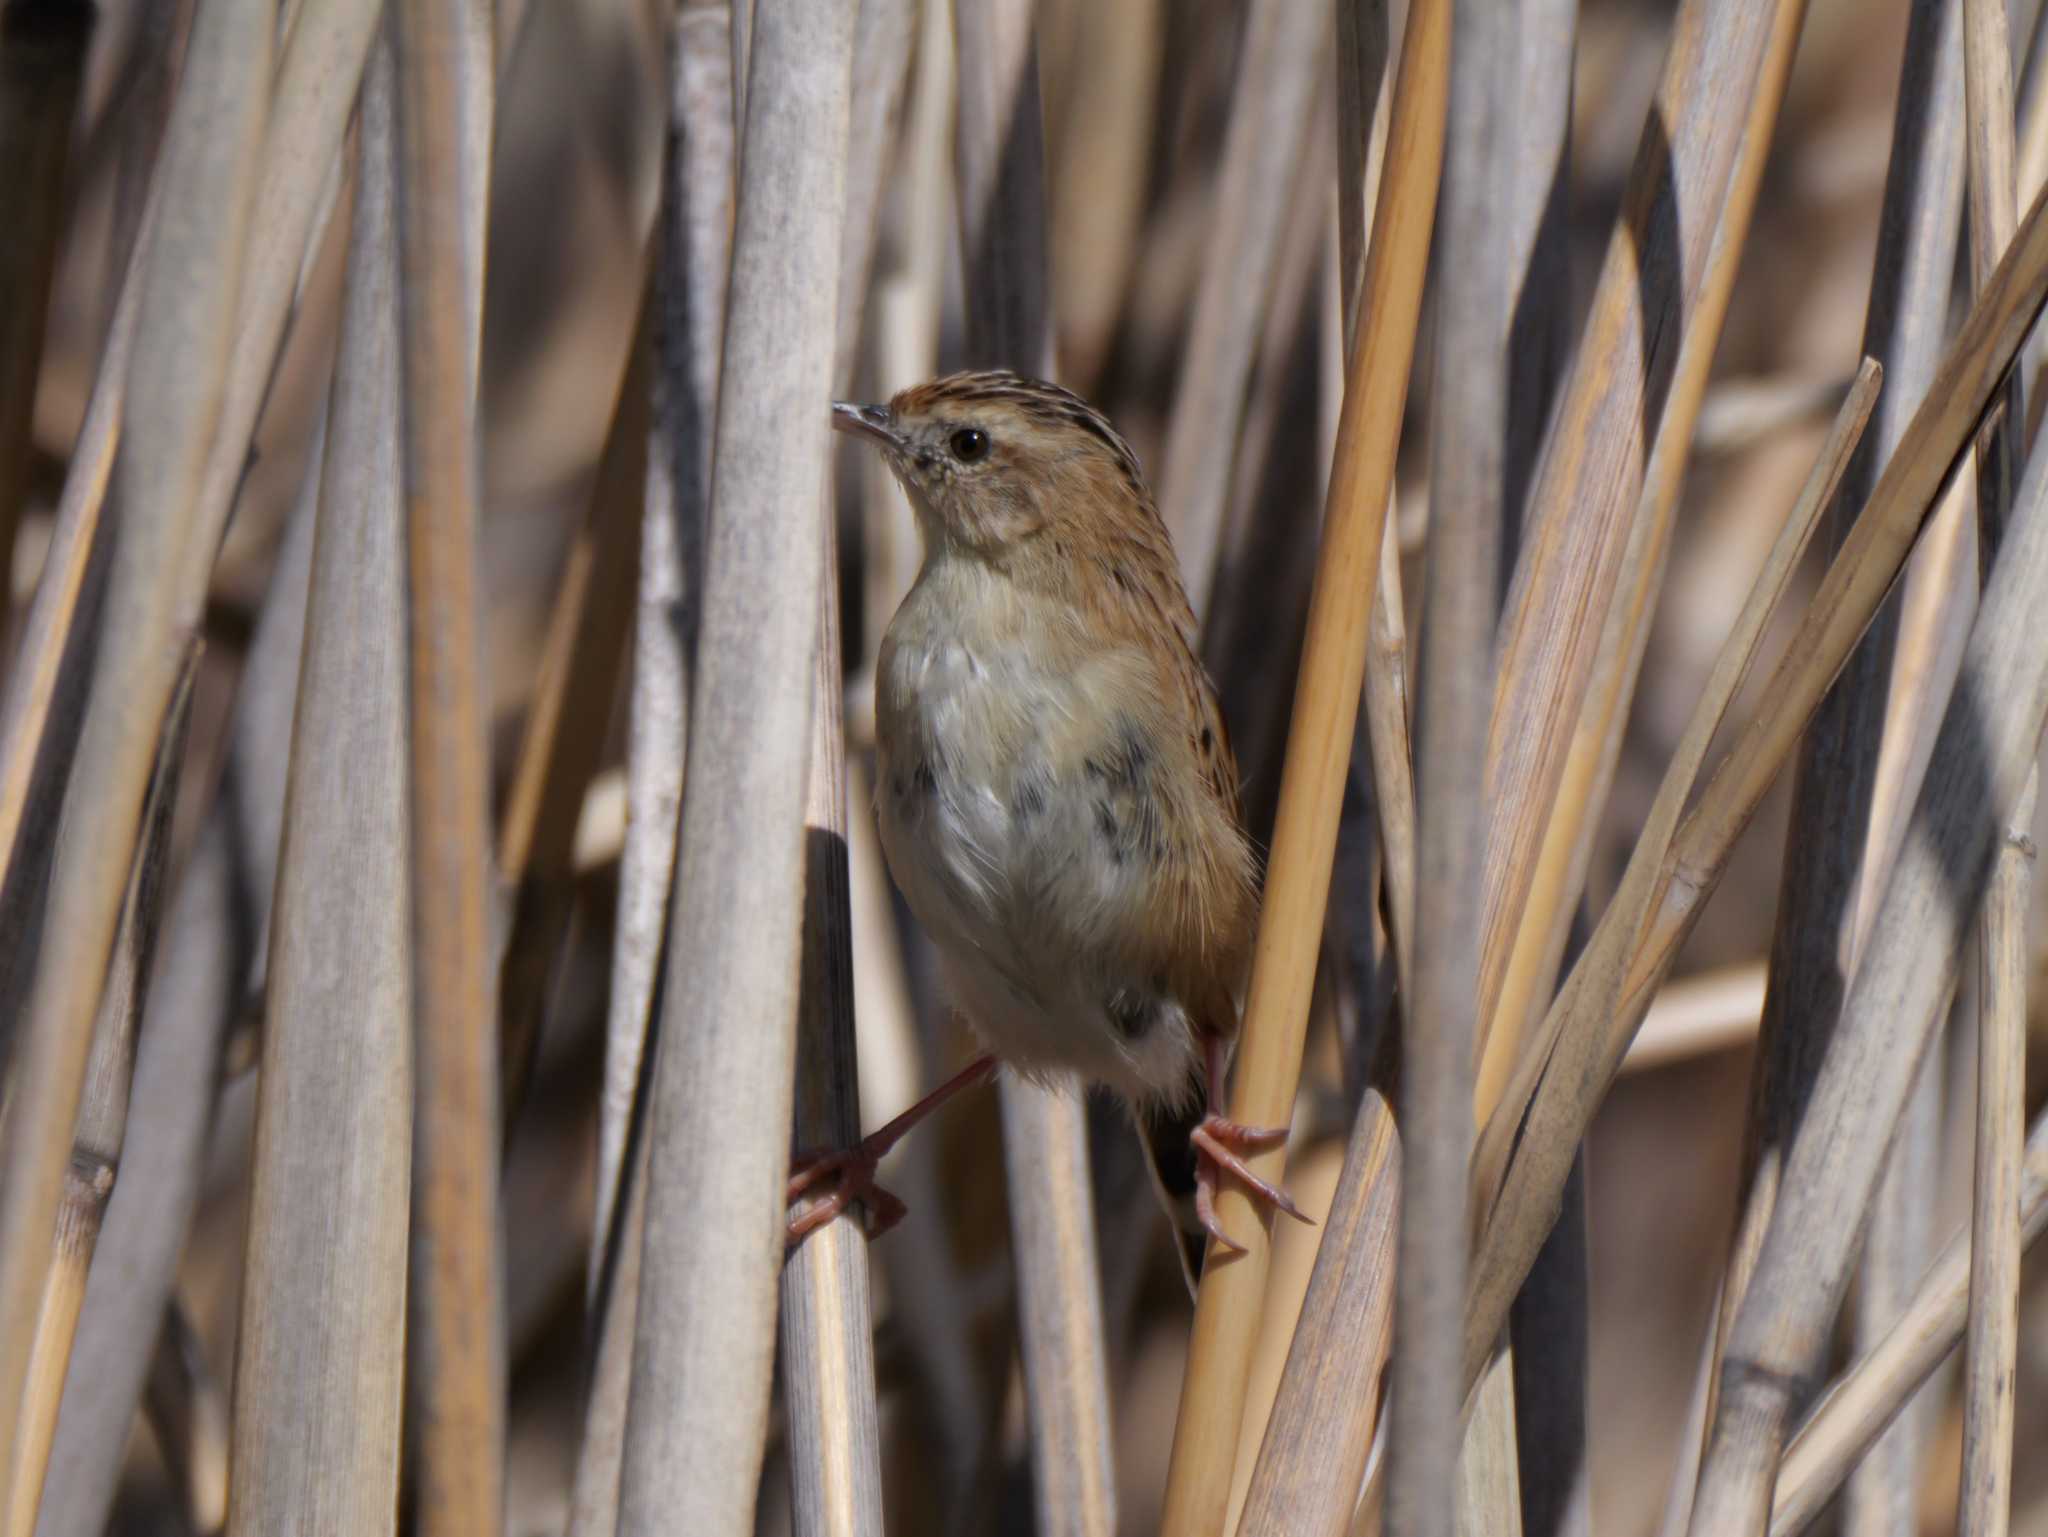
x=989 y=828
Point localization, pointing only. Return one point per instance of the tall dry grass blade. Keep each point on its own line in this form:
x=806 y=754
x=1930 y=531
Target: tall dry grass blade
x=594 y=1490
x=1839 y=778
x=566 y=724
x=999 y=159
x=1980 y=765
x=320 y=1360
x=42 y=61
x=1512 y=999
x=1312 y=781
x=1592 y=468
x=157 y=584
x=1282 y=54
x=705 y=1334
x=1991 y=1355
x=827 y=1357
x=692 y=252
x=1462 y=565
x=1863 y=1400
x=457 y=1288
x=128 y=1343
x=1305 y=1481
x=1529 y=1145
x=102 y=1114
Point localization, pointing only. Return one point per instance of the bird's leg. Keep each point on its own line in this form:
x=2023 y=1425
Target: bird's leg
x=1222 y=1144
x=852 y=1170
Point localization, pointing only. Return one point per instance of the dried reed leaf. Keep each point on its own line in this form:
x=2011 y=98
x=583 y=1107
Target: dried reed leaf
x=1981 y=761
x=321 y=1345
x=1319 y=741
x=693 y=252
x=705 y=1334
x=1549 y=1103
x=156 y=585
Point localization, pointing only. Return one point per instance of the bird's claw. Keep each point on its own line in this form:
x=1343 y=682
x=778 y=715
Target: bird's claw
x=851 y=1174
x=1222 y=1144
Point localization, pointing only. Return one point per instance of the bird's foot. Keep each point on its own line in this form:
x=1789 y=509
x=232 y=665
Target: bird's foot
x=1222 y=1145
x=846 y=1175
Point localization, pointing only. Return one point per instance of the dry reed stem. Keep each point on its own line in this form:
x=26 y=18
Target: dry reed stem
x=102 y=1115
x=1844 y=776
x=320 y=1364
x=1529 y=1144
x=1306 y=1478
x=1486 y=1497
x=1463 y=571
x=457 y=1288
x=1864 y=1399
x=1992 y=1349
x=693 y=251
x=999 y=150
x=1312 y=781
x=42 y=61
x=156 y=587
x=1270 y=106
x=566 y=722
x=697 y=1413
x=1519 y=969
x=1393 y=755
x=1981 y=761
x=827 y=1358
x=1591 y=473
x=129 y=1347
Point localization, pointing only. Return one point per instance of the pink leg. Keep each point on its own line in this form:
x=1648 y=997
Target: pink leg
x=852 y=1170
x=1222 y=1144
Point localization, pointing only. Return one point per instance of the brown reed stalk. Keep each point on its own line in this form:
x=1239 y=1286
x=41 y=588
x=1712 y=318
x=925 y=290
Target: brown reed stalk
x=457 y=1289
x=321 y=1343
x=693 y=238
x=156 y=585
x=827 y=1357
x=1866 y=1397
x=697 y=1413
x=1319 y=741
x=131 y=1345
x=1282 y=54
x=42 y=61
x=102 y=1115
x=1981 y=761
x=1529 y=1145
x=1305 y=1480
x=1592 y=533
x=999 y=162
x=566 y=723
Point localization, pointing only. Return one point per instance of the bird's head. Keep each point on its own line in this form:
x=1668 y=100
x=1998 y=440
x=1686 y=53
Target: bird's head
x=990 y=460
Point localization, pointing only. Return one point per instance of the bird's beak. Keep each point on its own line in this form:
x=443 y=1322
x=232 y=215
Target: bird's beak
x=865 y=422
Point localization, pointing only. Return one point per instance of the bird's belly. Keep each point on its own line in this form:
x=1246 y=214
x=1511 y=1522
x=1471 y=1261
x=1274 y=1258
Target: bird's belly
x=1039 y=922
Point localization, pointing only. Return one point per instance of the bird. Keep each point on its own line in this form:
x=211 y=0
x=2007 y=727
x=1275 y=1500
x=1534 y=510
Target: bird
x=1055 y=791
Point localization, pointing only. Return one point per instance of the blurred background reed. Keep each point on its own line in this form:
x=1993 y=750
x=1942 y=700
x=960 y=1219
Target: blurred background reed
x=436 y=742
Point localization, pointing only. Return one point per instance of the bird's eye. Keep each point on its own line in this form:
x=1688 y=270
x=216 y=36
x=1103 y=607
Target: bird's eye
x=969 y=444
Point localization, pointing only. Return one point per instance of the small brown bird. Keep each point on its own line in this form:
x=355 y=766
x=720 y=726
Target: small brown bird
x=1055 y=792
